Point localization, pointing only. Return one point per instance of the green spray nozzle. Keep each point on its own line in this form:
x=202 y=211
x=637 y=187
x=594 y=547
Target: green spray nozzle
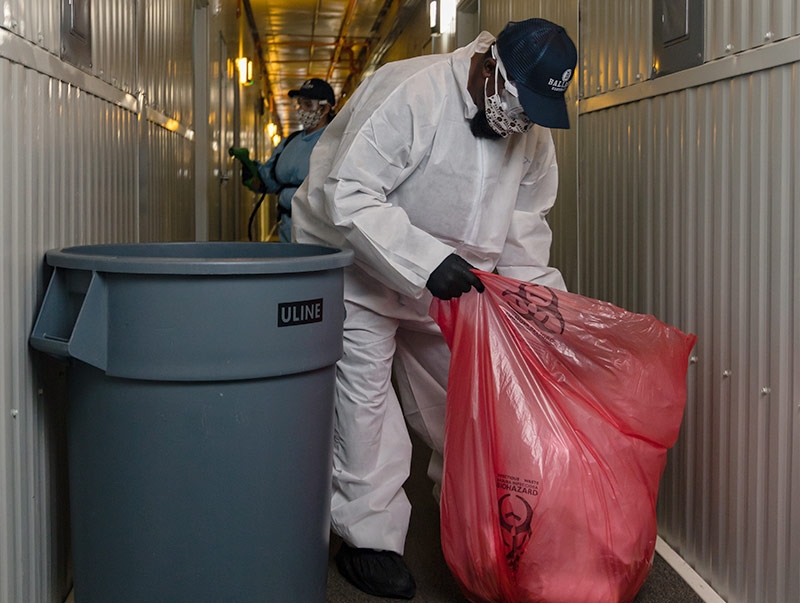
x=243 y=155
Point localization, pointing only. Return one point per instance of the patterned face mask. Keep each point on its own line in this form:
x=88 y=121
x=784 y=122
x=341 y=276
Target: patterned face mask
x=503 y=109
x=309 y=119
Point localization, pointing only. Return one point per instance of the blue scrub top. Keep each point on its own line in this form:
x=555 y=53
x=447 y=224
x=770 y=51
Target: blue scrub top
x=291 y=169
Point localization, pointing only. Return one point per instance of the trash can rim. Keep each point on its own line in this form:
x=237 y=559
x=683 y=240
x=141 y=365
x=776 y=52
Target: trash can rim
x=201 y=258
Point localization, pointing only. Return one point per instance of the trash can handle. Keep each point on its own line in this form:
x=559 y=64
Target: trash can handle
x=73 y=320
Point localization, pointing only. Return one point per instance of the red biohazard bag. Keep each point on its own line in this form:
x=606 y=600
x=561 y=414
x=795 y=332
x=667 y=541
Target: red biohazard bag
x=560 y=411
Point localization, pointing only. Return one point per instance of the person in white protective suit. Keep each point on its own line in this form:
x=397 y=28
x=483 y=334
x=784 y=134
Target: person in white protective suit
x=437 y=164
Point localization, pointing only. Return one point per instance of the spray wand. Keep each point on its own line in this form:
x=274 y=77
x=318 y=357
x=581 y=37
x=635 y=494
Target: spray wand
x=250 y=166
x=250 y=179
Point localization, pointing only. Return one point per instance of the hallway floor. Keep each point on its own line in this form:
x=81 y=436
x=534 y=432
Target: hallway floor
x=435 y=584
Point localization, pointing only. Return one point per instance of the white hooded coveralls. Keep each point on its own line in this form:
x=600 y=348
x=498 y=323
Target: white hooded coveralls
x=399 y=177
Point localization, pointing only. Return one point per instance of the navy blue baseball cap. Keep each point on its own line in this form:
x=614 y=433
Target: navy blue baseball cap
x=540 y=59
x=315 y=89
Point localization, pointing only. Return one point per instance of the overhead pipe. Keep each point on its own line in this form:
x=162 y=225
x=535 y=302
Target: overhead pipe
x=348 y=17
x=313 y=46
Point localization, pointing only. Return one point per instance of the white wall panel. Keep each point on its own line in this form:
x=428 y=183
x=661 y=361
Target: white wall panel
x=616 y=36
x=167 y=196
x=38 y=21
x=495 y=15
x=114 y=43
x=68 y=166
x=736 y=25
x=689 y=211
x=165 y=57
x=81 y=162
x=615 y=46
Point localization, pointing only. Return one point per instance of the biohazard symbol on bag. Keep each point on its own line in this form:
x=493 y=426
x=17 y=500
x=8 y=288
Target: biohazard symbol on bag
x=516 y=515
x=555 y=443
x=538 y=303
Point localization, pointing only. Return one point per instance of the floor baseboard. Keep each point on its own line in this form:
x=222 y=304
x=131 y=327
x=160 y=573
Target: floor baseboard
x=685 y=571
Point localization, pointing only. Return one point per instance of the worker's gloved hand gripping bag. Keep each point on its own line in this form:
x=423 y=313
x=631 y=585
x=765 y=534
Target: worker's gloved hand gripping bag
x=560 y=411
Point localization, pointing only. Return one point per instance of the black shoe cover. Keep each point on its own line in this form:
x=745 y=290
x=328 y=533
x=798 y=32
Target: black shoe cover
x=379 y=573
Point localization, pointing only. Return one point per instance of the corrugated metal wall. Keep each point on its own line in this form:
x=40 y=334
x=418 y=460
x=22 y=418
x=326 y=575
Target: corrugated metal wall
x=415 y=39
x=166 y=84
x=685 y=194
x=38 y=22
x=165 y=57
x=105 y=156
x=166 y=210
x=690 y=213
x=616 y=42
x=114 y=43
x=69 y=170
x=736 y=25
x=616 y=36
x=688 y=200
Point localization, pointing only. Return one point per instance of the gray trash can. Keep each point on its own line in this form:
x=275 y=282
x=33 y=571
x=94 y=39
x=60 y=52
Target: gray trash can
x=200 y=417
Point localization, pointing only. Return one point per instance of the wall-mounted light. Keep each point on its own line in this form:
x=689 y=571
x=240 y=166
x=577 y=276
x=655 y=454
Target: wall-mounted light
x=272 y=129
x=447 y=16
x=276 y=140
x=434 y=10
x=245 y=68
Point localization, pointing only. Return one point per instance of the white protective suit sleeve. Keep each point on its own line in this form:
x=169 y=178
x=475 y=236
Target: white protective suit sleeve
x=399 y=177
x=384 y=150
x=526 y=253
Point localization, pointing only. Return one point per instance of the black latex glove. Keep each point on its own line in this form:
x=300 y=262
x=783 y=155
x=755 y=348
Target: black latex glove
x=251 y=180
x=452 y=277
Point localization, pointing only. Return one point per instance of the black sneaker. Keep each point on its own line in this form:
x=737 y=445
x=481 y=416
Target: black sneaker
x=379 y=573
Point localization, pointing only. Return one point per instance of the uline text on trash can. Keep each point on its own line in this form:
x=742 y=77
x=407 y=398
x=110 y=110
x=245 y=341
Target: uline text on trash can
x=299 y=312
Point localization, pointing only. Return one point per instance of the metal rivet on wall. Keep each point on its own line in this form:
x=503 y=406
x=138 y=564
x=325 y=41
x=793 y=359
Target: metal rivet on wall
x=765 y=391
x=729 y=48
x=768 y=36
x=727 y=373
x=693 y=359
